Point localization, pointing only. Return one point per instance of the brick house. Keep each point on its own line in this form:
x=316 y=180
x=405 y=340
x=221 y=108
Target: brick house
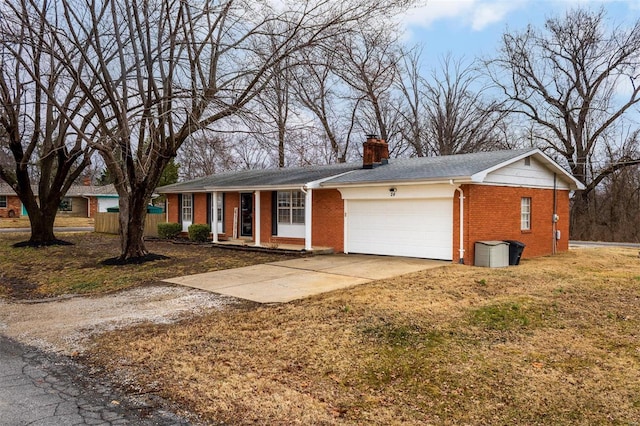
x=430 y=207
x=80 y=201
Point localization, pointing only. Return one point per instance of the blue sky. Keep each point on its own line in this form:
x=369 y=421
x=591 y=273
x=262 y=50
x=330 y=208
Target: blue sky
x=470 y=28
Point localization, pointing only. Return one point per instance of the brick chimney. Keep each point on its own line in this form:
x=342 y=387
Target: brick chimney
x=374 y=150
x=86 y=181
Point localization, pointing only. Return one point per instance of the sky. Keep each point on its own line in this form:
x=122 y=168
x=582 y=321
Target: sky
x=473 y=28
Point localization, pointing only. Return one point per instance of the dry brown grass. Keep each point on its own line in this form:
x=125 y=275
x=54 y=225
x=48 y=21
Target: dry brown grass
x=50 y=271
x=61 y=221
x=553 y=341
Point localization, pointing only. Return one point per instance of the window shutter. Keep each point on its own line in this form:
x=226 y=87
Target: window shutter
x=193 y=208
x=180 y=209
x=222 y=210
x=274 y=213
x=209 y=215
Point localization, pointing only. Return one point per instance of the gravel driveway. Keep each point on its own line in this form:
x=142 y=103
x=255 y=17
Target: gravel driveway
x=64 y=325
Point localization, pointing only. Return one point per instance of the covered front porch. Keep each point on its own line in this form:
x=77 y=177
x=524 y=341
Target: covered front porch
x=242 y=242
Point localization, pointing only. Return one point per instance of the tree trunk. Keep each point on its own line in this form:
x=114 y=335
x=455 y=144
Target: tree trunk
x=133 y=213
x=42 y=227
x=582 y=216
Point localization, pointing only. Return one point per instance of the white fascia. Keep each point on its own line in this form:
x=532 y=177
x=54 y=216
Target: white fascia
x=458 y=180
x=316 y=184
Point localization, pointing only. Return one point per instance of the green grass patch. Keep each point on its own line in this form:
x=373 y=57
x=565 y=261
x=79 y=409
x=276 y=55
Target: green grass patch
x=505 y=316
x=401 y=352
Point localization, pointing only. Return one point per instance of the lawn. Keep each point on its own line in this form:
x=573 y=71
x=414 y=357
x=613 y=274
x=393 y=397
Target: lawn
x=62 y=221
x=28 y=273
x=553 y=341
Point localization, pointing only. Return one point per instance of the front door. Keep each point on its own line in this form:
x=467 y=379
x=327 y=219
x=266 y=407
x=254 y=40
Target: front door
x=246 y=215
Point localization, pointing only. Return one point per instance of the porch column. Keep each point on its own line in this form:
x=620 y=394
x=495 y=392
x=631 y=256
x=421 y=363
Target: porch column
x=256 y=231
x=214 y=215
x=308 y=207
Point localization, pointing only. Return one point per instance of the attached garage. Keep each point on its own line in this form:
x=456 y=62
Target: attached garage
x=413 y=228
x=412 y=221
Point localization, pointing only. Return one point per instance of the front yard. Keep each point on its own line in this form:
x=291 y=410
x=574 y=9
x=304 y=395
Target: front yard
x=553 y=341
x=28 y=273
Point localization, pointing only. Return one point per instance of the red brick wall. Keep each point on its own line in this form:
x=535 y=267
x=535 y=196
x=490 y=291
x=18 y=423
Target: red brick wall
x=13 y=203
x=93 y=206
x=172 y=207
x=265 y=218
x=200 y=210
x=328 y=219
x=493 y=213
x=231 y=202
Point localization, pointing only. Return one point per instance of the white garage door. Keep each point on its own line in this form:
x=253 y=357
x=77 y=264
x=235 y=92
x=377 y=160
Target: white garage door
x=413 y=228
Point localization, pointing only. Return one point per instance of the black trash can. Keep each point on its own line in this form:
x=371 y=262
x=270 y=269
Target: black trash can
x=515 y=251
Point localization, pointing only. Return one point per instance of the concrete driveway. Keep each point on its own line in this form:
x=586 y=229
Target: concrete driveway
x=284 y=281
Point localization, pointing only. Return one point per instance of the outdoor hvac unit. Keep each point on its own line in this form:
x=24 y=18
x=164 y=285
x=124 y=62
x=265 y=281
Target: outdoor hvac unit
x=492 y=254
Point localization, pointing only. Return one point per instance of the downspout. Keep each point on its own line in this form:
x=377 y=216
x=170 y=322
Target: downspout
x=461 y=249
x=308 y=200
x=88 y=206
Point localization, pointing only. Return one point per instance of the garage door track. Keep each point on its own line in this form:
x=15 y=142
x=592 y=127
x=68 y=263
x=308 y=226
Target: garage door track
x=284 y=281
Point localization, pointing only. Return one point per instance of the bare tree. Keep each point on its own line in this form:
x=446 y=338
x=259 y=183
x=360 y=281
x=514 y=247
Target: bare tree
x=318 y=89
x=459 y=116
x=204 y=154
x=44 y=119
x=368 y=65
x=167 y=68
x=576 y=80
x=411 y=107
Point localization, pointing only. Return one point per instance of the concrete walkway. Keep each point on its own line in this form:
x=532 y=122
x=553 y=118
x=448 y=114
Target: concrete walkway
x=281 y=282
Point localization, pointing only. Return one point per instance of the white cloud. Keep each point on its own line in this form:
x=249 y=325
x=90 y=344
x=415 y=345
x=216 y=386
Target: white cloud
x=477 y=14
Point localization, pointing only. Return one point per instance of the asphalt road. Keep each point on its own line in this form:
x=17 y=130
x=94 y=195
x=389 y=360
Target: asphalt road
x=601 y=244
x=39 y=389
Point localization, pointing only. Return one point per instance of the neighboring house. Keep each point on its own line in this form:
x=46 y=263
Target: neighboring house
x=80 y=201
x=399 y=207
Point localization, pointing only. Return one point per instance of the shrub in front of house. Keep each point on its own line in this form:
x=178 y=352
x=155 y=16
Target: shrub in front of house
x=169 y=230
x=199 y=232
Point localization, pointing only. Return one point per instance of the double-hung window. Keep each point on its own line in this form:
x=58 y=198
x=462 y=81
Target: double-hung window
x=220 y=210
x=525 y=214
x=3 y=201
x=291 y=207
x=187 y=207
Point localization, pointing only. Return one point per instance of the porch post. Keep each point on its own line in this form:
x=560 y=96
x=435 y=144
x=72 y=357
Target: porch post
x=214 y=215
x=256 y=231
x=308 y=207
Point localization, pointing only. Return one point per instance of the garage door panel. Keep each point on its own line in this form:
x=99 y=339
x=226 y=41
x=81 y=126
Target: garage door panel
x=414 y=228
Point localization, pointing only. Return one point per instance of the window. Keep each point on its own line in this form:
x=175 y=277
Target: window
x=290 y=207
x=525 y=214
x=3 y=201
x=65 y=205
x=187 y=207
x=220 y=208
